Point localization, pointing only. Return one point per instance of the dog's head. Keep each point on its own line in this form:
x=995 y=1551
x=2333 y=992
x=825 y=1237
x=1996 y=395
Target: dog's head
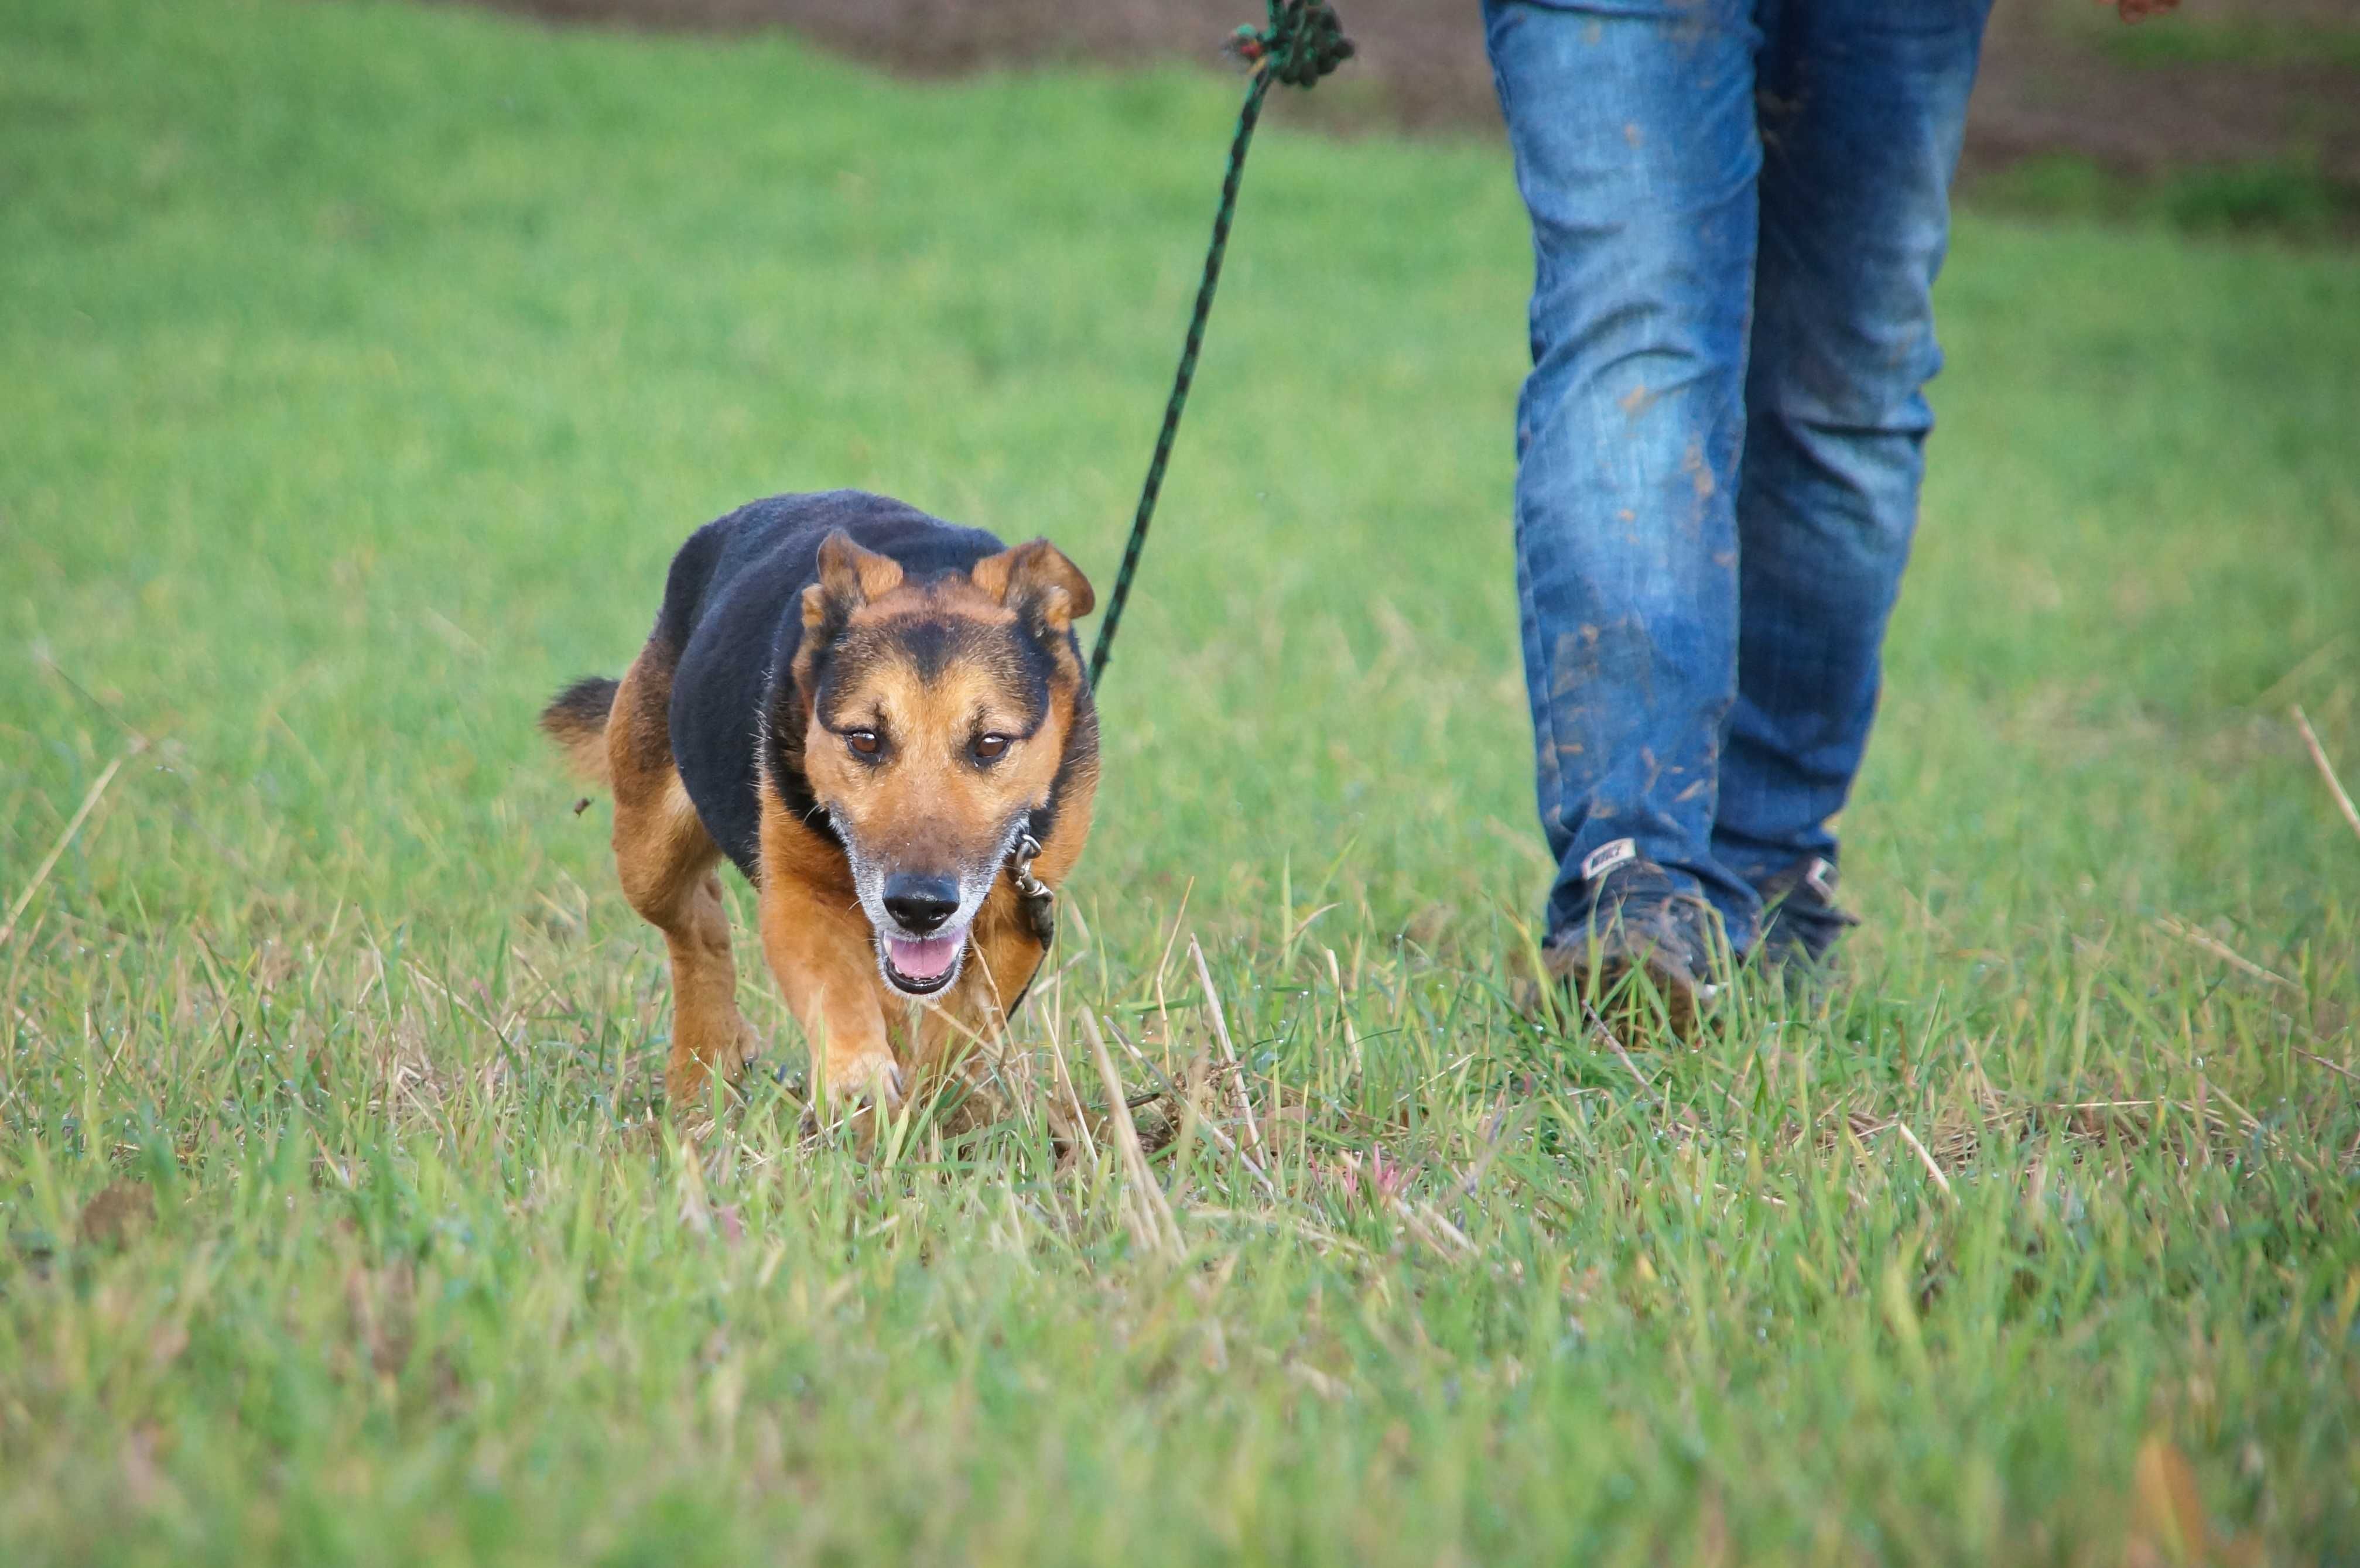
x=936 y=715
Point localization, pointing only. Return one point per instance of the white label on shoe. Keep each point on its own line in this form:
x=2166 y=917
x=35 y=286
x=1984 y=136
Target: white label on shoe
x=1607 y=856
x=1820 y=879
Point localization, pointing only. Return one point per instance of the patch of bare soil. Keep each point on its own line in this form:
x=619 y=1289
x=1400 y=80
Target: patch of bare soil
x=2256 y=81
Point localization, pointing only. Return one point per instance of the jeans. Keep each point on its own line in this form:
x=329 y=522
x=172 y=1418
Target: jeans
x=1738 y=210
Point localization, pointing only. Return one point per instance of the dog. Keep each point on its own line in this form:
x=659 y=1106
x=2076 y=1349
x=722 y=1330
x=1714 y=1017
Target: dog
x=883 y=721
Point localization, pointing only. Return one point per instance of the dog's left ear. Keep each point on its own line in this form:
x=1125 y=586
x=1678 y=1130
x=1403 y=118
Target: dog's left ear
x=849 y=577
x=1039 y=583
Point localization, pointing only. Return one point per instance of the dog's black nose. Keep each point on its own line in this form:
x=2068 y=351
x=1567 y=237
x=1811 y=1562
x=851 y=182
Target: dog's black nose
x=921 y=903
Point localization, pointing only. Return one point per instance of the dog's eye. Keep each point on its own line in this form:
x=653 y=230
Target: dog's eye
x=989 y=747
x=864 y=743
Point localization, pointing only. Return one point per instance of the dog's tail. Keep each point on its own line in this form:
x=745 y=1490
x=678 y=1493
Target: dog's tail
x=576 y=720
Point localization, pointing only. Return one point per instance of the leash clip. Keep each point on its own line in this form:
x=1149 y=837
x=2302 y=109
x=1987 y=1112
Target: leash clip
x=1039 y=899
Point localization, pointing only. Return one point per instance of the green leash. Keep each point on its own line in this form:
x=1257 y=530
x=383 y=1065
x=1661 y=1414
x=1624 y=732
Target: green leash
x=1303 y=42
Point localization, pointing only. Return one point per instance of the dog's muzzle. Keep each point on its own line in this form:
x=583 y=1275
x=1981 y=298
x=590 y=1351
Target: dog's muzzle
x=923 y=921
x=921 y=947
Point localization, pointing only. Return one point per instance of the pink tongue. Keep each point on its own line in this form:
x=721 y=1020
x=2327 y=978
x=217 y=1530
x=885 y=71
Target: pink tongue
x=925 y=959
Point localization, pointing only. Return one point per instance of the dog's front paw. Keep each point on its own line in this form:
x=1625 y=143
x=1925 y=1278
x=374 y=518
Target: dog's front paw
x=858 y=1082
x=698 y=1059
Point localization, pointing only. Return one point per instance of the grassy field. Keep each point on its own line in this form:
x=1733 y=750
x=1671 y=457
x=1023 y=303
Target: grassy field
x=361 y=364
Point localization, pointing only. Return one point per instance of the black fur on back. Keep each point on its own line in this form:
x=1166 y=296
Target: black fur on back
x=733 y=606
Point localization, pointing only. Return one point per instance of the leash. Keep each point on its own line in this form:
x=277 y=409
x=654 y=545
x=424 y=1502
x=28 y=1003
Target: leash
x=1302 y=42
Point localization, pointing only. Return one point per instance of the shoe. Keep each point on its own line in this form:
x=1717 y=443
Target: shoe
x=1662 y=940
x=1801 y=922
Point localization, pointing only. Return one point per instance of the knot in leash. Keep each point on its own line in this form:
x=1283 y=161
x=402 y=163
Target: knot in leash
x=1304 y=42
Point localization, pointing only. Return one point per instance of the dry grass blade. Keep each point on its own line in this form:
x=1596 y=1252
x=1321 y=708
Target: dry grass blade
x=1503 y=1127
x=1212 y=1129
x=1164 y=961
x=2223 y=952
x=81 y=814
x=1073 y=1098
x=1152 y=1225
x=1229 y=1050
x=1343 y=1012
x=2169 y=1507
x=2331 y=1066
x=2326 y=768
x=1598 y=1026
x=1446 y=1239
x=1283 y=1219
x=1924 y=1159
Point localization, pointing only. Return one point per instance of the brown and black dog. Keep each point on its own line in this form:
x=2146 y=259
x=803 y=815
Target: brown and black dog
x=883 y=719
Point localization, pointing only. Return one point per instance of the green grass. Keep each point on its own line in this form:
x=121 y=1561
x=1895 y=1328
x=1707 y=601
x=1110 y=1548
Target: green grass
x=359 y=367
x=2197 y=40
x=2292 y=198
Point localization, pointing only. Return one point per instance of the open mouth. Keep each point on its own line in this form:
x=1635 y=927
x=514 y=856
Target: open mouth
x=919 y=966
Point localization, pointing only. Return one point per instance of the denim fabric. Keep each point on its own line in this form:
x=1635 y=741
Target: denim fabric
x=1738 y=210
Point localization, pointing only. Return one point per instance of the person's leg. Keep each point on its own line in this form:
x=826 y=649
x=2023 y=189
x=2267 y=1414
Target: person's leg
x=1632 y=127
x=1862 y=105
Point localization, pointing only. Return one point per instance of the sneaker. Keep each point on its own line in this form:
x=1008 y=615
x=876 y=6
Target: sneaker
x=1801 y=922
x=1660 y=940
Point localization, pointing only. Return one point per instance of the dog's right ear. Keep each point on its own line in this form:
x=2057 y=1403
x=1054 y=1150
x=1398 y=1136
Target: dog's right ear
x=849 y=577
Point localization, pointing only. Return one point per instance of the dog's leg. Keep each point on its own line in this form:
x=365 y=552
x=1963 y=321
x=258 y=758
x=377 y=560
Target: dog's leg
x=823 y=957
x=666 y=861
x=822 y=954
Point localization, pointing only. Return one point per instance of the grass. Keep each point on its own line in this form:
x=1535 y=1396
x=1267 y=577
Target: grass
x=2291 y=198
x=2233 y=40
x=360 y=365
